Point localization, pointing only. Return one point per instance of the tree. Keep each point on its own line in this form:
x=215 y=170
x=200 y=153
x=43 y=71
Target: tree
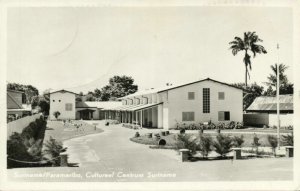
x=42 y=103
x=205 y=144
x=253 y=91
x=284 y=87
x=53 y=148
x=249 y=43
x=273 y=142
x=29 y=91
x=119 y=86
x=222 y=145
x=90 y=97
x=288 y=139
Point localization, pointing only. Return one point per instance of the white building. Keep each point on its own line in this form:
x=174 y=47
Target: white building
x=65 y=103
x=201 y=101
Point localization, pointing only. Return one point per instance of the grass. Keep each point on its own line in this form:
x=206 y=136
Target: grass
x=62 y=132
x=170 y=139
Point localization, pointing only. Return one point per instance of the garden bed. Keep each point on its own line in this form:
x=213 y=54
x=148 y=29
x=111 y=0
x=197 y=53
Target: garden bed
x=170 y=139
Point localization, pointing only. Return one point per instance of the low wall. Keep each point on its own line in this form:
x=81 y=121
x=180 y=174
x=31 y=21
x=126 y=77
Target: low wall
x=20 y=124
x=260 y=119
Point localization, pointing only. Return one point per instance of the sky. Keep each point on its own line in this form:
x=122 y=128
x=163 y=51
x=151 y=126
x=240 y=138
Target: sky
x=80 y=48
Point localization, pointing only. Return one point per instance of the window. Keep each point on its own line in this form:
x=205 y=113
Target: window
x=188 y=116
x=191 y=95
x=59 y=100
x=224 y=116
x=68 y=107
x=221 y=95
x=137 y=101
x=206 y=100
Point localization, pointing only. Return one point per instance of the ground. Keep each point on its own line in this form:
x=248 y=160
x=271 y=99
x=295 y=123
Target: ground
x=111 y=156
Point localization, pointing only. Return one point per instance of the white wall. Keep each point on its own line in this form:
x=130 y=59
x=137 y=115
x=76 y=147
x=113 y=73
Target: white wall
x=64 y=98
x=285 y=120
x=176 y=101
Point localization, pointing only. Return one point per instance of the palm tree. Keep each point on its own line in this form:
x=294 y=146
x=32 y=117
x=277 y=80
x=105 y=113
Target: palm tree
x=249 y=43
x=273 y=77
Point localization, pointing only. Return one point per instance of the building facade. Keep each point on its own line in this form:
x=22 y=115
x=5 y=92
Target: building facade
x=65 y=103
x=263 y=111
x=201 y=101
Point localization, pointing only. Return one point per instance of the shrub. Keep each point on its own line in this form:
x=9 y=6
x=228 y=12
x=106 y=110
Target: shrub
x=16 y=150
x=53 y=149
x=231 y=125
x=205 y=144
x=211 y=125
x=238 y=141
x=137 y=134
x=288 y=139
x=222 y=145
x=239 y=125
x=182 y=131
x=256 y=143
x=56 y=114
x=184 y=141
x=221 y=125
x=273 y=142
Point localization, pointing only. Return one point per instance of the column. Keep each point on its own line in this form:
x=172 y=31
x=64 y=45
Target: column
x=141 y=119
x=160 y=116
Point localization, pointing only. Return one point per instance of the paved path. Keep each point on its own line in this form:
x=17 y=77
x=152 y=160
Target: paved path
x=111 y=156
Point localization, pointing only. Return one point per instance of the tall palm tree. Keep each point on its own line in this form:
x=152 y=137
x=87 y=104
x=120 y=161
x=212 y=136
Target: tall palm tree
x=249 y=43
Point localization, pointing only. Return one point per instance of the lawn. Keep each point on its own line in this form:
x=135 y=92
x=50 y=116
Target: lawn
x=171 y=139
x=61 y=131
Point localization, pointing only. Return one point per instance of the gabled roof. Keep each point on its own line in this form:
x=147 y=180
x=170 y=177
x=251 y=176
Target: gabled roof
x=62 y=90
x=19 y=105
x=207 y=79
x=98 y=104
x=269 y=103
x=166 y=88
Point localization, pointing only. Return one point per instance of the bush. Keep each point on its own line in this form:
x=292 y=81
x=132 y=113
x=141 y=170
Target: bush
x=28 y=144
x=16 y=150
x=184 y=141
x=256 y=143
x=273 y=142
x=53 y=149
x=205 y=144
x=221 y=125
x=238 y=141
x=35 y=129
x=137 y=134
x=288 y=140
x=56 y=114
x=222 y=145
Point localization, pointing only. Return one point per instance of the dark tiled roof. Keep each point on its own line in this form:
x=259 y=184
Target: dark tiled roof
x=267 y=103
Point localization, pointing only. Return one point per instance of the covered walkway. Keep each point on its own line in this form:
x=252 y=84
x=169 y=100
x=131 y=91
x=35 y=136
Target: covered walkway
x=144 y=115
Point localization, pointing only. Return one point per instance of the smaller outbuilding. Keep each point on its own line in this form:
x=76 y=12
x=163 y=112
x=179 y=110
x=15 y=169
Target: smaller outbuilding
x=263 y=111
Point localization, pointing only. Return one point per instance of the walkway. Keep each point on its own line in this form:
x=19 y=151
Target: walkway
x=111 y=156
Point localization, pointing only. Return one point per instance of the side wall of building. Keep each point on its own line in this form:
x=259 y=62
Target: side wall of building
x=58 y=101
x=176 y=102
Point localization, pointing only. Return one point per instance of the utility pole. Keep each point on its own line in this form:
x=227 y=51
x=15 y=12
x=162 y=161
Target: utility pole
x=277 y=96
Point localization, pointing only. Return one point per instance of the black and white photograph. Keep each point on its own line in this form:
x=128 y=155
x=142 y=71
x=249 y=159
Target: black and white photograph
x=149 y=95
